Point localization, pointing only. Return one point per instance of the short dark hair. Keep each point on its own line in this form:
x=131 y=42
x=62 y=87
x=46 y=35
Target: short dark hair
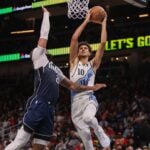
x=85 y=43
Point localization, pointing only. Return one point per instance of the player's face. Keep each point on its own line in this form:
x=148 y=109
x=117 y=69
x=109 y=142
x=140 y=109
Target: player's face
x=84 y=51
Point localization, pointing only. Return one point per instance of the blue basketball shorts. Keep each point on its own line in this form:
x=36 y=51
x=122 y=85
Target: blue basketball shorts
x=39 y=119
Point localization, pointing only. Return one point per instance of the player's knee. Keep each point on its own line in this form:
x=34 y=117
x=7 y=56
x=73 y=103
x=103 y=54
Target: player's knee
x=87 y=119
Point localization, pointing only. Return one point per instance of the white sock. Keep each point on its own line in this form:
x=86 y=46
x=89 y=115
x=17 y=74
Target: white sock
x=20 y=141
x=45 y=27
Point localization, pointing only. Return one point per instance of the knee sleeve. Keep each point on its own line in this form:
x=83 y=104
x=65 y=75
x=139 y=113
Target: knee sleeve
x=20 y=141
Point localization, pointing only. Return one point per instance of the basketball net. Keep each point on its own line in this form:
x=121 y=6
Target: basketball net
x=77 y=9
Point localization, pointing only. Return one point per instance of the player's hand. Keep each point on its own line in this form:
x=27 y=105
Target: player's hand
x=45 y=9
x=105 y=20
x=97 y=87
x=87 y=18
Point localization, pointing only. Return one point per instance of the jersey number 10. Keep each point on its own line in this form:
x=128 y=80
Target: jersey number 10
x=80 y=72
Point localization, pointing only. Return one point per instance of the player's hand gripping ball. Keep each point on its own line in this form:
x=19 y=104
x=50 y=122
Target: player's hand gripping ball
x=97 y=14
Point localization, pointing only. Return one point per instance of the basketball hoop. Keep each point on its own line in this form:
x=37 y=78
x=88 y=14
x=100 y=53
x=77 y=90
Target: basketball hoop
x=77 y=9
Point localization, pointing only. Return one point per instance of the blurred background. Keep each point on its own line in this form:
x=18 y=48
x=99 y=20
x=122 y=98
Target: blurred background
x=124 y=105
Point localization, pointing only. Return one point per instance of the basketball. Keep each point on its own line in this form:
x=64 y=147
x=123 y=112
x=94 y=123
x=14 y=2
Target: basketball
x=97 y=14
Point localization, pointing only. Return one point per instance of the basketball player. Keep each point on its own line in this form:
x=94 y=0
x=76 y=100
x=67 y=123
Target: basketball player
x=82 y=71
x=39 y=115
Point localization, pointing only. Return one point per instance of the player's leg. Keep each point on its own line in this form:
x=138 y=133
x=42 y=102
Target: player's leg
x=39 y=144
x=85 y=135
x=102 y=137
x=38 y=147
x=82 y=128
x=42 y=134
x=90 y=119
x=89 y=116
x=41 y=140
x=20 y=140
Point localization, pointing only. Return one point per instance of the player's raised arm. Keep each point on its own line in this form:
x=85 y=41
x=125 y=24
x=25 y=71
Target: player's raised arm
x=42 y=42
x=45 y=28
x=99 y=54
x=76 y=87
x=75 y=37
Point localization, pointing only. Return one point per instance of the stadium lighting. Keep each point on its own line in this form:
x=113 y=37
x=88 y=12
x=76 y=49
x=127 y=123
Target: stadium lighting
x=22 y=32
x=10 y=57
x=47 y=3
x=112 y=20
x=111 y=45
x=6 y=10
x=137 y=3
x=143 y=15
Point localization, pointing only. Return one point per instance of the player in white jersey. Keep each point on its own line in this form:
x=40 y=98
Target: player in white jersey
x=84 y=104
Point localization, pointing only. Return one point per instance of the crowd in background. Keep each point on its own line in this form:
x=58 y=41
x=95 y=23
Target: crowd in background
x=123 y=109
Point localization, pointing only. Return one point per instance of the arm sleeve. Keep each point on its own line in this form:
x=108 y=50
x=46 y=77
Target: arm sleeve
x=45 y=27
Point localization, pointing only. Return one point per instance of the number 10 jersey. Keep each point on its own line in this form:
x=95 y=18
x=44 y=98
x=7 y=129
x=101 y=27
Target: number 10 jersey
x=82 y=74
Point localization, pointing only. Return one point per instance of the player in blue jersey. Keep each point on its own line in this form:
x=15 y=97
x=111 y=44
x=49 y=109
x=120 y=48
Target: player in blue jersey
x=82 y=71
x=39 y=114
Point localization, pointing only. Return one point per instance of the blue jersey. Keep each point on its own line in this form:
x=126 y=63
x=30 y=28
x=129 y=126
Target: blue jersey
x=47 y=76
x=39 y=115
x=46 y=85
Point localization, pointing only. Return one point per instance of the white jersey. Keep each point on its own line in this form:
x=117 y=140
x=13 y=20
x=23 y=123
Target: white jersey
x=83 y=75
